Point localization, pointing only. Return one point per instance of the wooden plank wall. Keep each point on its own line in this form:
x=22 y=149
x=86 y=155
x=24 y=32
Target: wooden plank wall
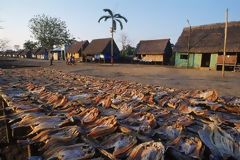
x=229 y=59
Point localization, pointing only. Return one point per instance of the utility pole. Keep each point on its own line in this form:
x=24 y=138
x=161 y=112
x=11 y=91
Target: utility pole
x=188 y=41
x=225 y=41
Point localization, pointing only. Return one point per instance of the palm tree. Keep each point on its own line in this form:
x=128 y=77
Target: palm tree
x=114 y=18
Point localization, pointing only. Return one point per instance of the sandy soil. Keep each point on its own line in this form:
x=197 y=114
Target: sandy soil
x=147 y=74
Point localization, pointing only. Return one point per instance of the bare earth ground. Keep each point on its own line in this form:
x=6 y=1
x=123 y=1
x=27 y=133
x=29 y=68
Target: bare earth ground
x=146 y=74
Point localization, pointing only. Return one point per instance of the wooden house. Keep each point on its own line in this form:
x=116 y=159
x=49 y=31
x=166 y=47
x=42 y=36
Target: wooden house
x=34 y=51
x=202 y=46
x=157 y=51
x=41 y=53
x=56 y=53
x=76 y=50
x=25 y=54
x=19 y=53
x=100 y=50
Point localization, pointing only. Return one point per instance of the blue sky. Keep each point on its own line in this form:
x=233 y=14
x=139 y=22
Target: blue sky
x=148 y=19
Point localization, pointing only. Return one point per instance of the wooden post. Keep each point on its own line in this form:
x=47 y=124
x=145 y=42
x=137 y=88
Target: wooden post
x=225 y=42
x=189 y=42
x=112 y=45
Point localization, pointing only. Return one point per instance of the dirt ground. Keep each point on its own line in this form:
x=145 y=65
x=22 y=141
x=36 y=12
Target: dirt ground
x=146 y=74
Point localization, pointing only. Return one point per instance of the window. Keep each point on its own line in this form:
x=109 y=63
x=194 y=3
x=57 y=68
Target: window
x=183 y=56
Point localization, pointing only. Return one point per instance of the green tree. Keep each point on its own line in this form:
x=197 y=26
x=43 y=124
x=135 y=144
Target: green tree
x=114 y=18
x=49 y=31
x=30 y=45
x=128 y=50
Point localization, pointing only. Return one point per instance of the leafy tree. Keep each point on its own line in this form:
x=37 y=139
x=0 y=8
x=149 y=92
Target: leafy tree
x=49 y=31
x=114 y=18
x=128 y=51
x=30 y=45
x=3 y=44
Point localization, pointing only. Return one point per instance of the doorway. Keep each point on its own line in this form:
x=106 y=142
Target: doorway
x=206 y=57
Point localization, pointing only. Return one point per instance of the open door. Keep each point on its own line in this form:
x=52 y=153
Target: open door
x=206 y=57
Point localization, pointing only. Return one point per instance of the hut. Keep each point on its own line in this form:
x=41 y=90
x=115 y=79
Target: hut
x=157 y=51
x=100 y=49
x=202 y=46
x=26 y=53
x=41 y=53
x=34 y=51
x=57 y=53
x=76 y=50
x=19 y=53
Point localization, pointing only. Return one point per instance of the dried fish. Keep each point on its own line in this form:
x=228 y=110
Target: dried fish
x=219 y=142
x=120 y=142
x=148 y=150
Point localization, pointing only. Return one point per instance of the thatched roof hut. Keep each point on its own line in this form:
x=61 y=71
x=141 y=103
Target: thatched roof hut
x=77 y=47
x=158 y=46
x=100 y=46
x=159 y=50
x=209 y=38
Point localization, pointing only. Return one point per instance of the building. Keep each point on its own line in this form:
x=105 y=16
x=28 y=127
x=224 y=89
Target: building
x=157 y=51
x=25 y=54
x=19 y=53
x=76 y=50
x=202 y=46
x=41 y=53
x=100 y=50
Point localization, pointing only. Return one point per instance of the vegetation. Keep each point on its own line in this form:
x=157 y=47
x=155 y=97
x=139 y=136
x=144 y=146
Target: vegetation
x=30 y=45
x=128 y=51
x=49 y=31
x=3 y=44
x=115 y=18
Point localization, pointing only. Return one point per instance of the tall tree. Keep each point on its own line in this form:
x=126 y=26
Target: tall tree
x=128 y=51
x=115 y=18
x=124 y=41
x=30 y=45
x=49 y=31
x=3 y=44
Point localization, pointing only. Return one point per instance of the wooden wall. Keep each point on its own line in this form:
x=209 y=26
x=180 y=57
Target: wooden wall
x=229 y=59
x=153 y=58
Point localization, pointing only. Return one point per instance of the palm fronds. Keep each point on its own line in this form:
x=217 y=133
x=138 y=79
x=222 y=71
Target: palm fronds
x=114 y=18
x=120 y=17
x=109 y=11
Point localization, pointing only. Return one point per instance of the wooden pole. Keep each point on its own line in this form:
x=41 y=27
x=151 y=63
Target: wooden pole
x=189 y=42
x=225 y=42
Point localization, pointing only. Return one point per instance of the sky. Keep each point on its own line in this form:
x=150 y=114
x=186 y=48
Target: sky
x=147 y=19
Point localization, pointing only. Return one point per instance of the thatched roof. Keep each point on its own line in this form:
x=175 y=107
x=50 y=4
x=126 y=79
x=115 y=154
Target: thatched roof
x=19 y=52
x=40 y=51
x=98 y=46
x=76 y=47
x=34 y=51
x=210 y=38
x=24 y=52
x=152 y=46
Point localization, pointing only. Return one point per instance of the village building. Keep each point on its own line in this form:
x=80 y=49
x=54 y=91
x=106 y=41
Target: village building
x=76 y=50
x=41 y=53
x=157 y=51
x=100 y=50
x=25 y=54
x=202 y=46
x=19 y=53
